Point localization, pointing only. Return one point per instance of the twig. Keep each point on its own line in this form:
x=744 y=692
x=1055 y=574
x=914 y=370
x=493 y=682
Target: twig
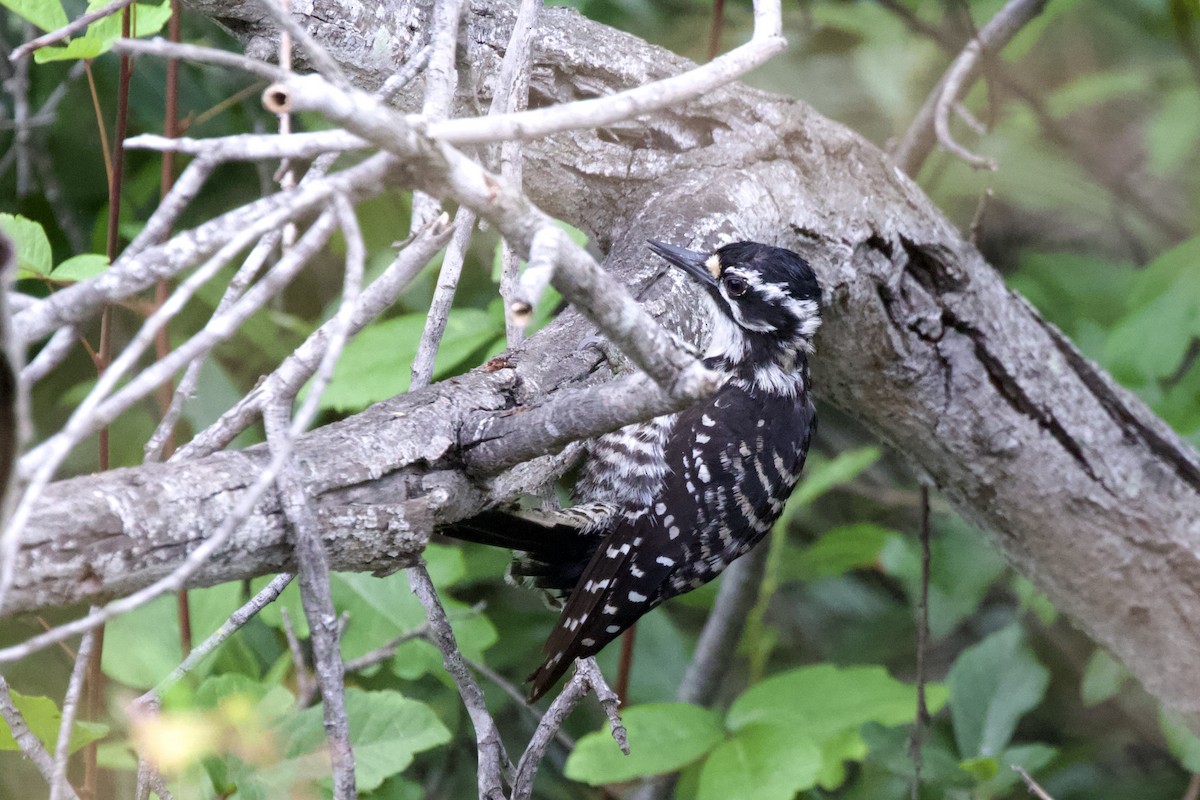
x=1193 y=788
x=59 y=786
x=493 y=760
x=159 y=46
x=932 y=121
x=1127 y=188
x=236 y=621
x=18 y=87
x=609 y=702
x=298 y=367
x=79 y=302
x=50 y=356
x=976 y=223
x=518 y=696
x=324 y=63
x=587 y=677
x=765 y=42
x=197 y=557
x=441 y=80
x=306 y=684
x=922 y=713
x=315 y=590
x=70 y=29
x=1031 y=784
x=155 y=445
x=27 y=742
x=443 y=298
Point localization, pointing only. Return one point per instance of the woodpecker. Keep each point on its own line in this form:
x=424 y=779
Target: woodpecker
x=663 y=507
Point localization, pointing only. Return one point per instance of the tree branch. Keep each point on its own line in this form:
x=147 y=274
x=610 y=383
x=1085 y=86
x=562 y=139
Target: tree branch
x=1085 y=491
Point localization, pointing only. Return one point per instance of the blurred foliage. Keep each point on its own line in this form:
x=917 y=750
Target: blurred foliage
x=1093 y=114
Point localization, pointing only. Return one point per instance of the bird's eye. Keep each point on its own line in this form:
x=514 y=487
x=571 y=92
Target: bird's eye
x=735 y=286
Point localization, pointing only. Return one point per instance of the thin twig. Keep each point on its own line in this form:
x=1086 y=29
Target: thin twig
x=60 y=787
x=195 y=559
x=306 y=683
x=716 y=649
x=315 y=591
x=443 y=299
x=298 y=367
x=29 y=745
x=587 y=678
x=931 y=123
x=766 y=40
x=163 y=48
x=70 y=29
x=318 y=55
x=493 y=760
x=236 y=621
x=1031 y=784
x=441 y=81
x=922 y=713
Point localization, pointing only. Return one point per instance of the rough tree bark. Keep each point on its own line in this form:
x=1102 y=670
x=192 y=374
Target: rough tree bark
x=1085 y=490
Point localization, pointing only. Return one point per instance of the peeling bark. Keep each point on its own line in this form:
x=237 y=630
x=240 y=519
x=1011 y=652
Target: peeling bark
x=1086 y=492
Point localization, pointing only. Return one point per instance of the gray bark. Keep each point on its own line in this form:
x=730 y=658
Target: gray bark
x=1085 y=490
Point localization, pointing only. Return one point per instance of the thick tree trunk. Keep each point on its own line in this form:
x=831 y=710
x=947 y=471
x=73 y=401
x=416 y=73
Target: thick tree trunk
x=1085 y=490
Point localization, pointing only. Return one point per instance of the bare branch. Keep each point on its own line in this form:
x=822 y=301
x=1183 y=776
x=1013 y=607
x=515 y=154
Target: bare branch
x=317 y=54
x=1031 y=784
x=27 y=742
x=59 y=786
x=163 y=48
x=932 y=121
x=70 y=29
x=493 y=760
x=297 y=368
x=441 y=80
x=766 y=41
x=236 y=621
x=587 y=677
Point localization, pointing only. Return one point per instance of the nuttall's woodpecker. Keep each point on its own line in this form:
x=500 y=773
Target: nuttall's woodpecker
x=664 y=506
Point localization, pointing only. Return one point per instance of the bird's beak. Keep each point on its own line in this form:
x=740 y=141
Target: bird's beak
x=695 y=264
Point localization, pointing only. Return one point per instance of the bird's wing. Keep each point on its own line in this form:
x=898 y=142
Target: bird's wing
x=623 y=580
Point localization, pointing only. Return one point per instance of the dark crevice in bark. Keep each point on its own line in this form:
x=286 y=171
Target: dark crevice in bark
x=1010 y=389
x=1185 y=468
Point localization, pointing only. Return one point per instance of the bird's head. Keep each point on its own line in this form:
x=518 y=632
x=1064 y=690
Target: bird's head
x=768 y=299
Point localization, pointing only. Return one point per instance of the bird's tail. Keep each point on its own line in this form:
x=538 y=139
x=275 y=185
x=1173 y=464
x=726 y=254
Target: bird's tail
x=551 y=548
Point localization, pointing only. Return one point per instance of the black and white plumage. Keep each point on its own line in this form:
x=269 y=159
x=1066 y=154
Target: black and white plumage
x=664 y=506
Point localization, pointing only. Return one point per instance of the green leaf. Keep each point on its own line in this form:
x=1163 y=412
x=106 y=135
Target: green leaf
x=822 y=476
x=1172 y=134
x=992 y=685
x=761 y=762
x=1103 y=677
x=100 y=35
x=46 y=14
x=43 y=718
x=377 y=364
x=837 y=552
x=1087 y=90
x=824 y=700
x=386 y=730
x=982 y=769
x=662 y=738
x=380 y=609
x=1181 y=741
x=33 y=248
x=80 y=267
x=141 y=661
